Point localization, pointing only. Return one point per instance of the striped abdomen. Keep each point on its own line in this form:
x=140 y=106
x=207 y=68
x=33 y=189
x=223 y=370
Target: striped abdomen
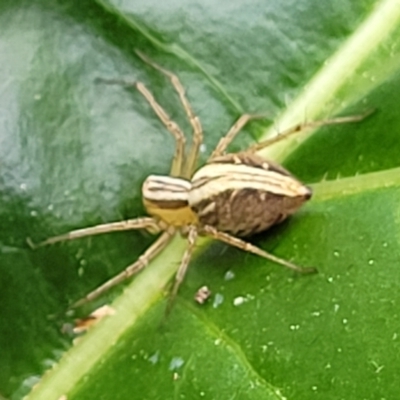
x=242 y=194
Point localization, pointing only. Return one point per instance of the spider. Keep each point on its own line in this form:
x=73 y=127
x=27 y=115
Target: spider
x=233 y=195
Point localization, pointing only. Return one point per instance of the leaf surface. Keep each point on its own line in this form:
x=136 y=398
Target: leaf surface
x=75 y=152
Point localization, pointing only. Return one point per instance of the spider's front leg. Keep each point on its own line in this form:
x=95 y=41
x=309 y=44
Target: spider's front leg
x=130 y=224
x=148 y=223
x=132 y=269
x=173 y=128
x=189 y=165
x=179 y=155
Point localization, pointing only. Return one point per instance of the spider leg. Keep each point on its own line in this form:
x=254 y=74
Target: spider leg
x=131 y=270
x=233 y=131
x=190 y=164
x=241 y=244
x=172 y=126
x=130 y=224
x=308 y=125
x=192 y=236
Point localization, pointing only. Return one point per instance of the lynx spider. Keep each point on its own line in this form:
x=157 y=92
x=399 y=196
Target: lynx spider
x=179 y=217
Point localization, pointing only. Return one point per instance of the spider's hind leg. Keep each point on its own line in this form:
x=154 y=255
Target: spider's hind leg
x=246 y=246
x=303 y=126
x=226 y=140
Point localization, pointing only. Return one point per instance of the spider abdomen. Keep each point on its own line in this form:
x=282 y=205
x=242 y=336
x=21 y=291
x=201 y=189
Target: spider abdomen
x=242 y=194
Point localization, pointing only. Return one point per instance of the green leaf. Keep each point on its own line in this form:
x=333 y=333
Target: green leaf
x=74 y=153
